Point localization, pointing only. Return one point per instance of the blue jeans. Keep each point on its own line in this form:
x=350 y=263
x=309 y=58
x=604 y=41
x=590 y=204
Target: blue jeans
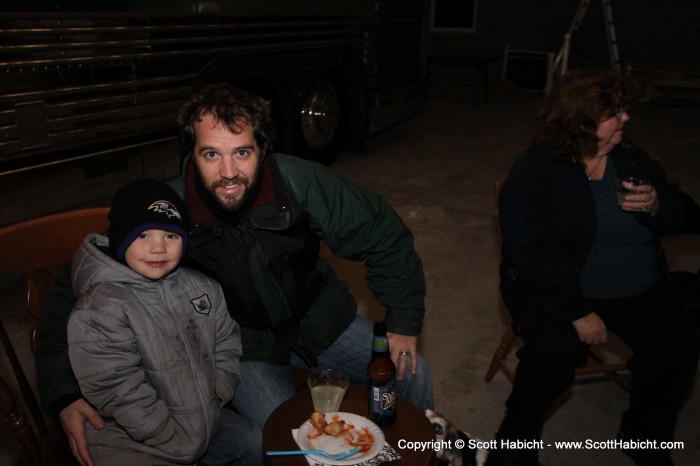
x=238 y=442
x=264 y=386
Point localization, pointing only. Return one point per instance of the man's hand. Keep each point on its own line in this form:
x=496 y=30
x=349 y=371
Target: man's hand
x=591 y=329
x=73 y=419
x=401 y=347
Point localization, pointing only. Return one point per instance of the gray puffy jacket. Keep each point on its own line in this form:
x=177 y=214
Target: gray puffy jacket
x=158 y=359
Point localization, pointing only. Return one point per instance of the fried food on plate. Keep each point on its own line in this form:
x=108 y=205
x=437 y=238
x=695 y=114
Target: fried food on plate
x=318 y=422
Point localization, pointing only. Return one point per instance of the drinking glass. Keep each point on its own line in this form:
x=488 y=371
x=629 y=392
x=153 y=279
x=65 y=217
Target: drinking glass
x=622 y=191
x=328 y=388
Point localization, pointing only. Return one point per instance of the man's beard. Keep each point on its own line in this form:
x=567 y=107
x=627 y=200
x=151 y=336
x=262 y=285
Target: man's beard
x=230 y=203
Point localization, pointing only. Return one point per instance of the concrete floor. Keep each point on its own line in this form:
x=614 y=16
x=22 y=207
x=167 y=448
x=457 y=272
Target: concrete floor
x=437 y=170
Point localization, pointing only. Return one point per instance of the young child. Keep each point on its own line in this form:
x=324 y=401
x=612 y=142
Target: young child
x=152 y=345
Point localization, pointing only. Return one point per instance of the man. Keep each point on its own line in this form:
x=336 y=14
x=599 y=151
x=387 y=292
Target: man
x=258 y=221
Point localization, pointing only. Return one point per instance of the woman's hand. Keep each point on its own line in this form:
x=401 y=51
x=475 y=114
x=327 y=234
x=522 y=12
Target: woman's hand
x=640 y=198
x=591 y=329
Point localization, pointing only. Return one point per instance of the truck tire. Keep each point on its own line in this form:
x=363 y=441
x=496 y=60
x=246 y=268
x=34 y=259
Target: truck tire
x=322 y=121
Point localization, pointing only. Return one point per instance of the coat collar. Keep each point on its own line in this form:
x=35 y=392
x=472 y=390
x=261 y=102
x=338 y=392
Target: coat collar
x=270 y=209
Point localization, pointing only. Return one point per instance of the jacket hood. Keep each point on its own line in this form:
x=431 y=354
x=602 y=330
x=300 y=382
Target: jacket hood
x=93 y=265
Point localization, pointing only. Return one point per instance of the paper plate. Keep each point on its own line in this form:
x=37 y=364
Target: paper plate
x=356 y=433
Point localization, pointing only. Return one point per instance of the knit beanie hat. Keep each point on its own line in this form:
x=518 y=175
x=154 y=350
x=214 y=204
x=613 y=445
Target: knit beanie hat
x=142 y=205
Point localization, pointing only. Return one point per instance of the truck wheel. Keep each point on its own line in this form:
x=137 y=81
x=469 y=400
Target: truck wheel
x=322 y=120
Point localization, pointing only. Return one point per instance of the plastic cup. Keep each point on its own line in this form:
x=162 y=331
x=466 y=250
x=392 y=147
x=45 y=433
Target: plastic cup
x=328 y=388
x=622 y=191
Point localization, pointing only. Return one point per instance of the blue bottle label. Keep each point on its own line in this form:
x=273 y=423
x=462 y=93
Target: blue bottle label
x=383 y=398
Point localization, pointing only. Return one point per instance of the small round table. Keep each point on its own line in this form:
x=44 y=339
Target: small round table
x=411 y=425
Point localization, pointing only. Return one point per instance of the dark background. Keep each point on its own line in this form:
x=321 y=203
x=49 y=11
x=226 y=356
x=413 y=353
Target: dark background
x=655 y=34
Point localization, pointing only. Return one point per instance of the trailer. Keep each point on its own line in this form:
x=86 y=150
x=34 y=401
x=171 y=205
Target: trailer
x=89 y=90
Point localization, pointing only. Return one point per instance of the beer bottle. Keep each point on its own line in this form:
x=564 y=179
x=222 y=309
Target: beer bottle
x=381 y=380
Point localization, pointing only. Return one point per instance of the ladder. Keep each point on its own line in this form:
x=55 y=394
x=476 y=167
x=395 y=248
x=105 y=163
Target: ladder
x=561 y=61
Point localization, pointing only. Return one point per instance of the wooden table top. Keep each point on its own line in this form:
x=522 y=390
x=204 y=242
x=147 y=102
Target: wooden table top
x=411 y=426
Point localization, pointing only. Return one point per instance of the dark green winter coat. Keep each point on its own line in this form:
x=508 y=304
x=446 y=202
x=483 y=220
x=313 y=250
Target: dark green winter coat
x=284 y=296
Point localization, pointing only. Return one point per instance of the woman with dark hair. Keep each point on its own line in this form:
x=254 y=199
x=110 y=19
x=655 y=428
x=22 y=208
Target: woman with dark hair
x=577 y=264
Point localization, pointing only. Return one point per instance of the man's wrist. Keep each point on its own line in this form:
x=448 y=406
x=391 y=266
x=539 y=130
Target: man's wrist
x=61 y=403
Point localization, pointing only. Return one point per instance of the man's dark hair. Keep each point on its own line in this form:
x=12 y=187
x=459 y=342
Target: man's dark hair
x=232 y=107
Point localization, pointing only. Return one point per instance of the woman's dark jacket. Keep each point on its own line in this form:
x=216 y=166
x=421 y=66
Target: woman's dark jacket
x=548 y=224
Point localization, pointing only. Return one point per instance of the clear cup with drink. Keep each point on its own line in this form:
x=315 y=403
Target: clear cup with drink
x=328 y=388
x=623 y=191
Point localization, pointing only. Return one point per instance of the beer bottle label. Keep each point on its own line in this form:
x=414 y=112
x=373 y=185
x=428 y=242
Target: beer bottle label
x=380 y=345
x=383 y=398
